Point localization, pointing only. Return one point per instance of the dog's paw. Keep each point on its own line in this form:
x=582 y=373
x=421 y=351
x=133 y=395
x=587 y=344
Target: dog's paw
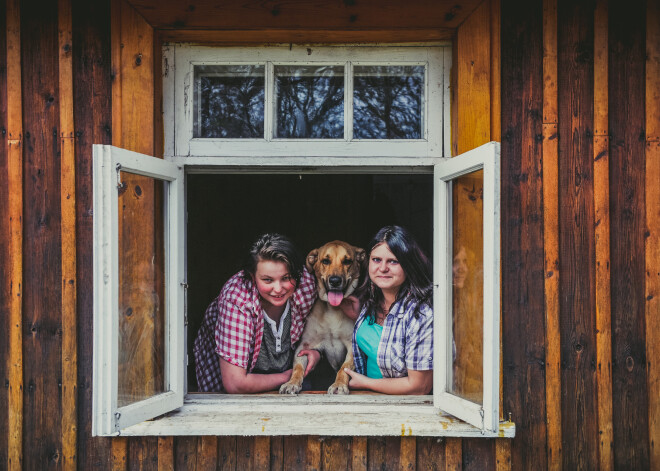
x=338 y=388
x=290 y=388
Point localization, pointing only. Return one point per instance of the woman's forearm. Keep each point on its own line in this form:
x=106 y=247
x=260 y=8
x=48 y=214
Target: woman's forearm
x=237 y=380
x=416 y=383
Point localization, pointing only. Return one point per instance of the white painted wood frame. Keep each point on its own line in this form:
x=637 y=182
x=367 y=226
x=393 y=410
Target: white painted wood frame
x=107 y=417
x=180 y=60
x=486 y=157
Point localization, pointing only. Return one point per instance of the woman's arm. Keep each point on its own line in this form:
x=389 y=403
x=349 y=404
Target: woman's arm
x=417 y=382
x=237 y=380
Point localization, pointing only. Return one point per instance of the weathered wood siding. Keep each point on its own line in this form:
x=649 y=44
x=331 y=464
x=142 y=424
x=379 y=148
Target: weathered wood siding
x=580 y=132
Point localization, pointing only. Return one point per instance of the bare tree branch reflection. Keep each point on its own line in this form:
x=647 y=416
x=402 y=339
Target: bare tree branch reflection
x=310 y=102
x=387 y=102
x=230 y=101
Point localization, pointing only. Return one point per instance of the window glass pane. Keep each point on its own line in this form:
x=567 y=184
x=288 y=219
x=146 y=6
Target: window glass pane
x=310 y=101
x=141 y=289
x=387 y=102
x=229 y=101
x=467 y=287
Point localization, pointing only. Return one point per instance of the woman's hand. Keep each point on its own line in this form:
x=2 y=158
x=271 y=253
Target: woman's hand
x=313 y=358
x=350 y=306
x=357 y=380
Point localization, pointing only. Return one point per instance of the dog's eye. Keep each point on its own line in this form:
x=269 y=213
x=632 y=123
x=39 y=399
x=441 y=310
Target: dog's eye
x=325 y=261
x=347 y=262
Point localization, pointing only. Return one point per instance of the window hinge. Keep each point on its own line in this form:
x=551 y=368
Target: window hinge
x=120 y=185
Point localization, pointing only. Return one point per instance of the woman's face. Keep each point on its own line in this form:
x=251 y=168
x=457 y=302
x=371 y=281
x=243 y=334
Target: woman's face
x=460 y=268
x=274 y=282
x=385 y=270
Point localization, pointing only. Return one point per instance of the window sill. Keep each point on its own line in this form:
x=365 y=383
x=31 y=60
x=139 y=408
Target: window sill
x=311 y=414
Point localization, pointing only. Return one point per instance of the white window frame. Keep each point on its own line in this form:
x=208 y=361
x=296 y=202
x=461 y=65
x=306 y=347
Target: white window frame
x=179 y=84
x=107 y=417
x=367 y=415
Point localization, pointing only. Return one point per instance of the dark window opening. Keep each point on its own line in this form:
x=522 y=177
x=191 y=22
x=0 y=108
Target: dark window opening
x=227 y=212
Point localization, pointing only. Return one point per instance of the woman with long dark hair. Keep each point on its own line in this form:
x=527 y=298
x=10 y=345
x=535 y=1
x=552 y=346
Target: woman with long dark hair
x=393 y=335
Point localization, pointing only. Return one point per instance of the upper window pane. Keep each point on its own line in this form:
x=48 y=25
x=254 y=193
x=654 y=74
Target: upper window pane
x=229 y=101
x=387 y=102
x=310 y=101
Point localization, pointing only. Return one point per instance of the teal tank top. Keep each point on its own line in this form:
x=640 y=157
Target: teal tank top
x=368 y=338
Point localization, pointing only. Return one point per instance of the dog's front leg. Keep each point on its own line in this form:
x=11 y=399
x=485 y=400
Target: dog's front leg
x=294 y=385
x=340 y=386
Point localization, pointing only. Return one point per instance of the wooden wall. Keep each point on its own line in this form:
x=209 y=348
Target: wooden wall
x=580 y=119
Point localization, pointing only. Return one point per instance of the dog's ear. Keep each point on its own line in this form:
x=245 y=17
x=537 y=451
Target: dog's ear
x=311 y=260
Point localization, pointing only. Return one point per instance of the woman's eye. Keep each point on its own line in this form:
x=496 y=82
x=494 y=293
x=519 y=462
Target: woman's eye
x=325 y=261
x=394 y=262
x=375 y=260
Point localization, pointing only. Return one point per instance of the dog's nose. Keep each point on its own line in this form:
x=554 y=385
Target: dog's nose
x=334 y=281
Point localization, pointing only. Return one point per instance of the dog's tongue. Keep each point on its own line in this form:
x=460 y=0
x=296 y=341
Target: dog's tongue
x=335 y=297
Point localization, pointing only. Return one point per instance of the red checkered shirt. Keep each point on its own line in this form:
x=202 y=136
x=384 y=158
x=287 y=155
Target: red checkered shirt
x=233 y=327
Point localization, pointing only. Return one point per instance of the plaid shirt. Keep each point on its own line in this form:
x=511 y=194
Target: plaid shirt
x=233 y=327
x=406 y=342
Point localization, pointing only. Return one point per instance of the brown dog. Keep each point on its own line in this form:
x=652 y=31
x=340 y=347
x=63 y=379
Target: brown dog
x=337 y=267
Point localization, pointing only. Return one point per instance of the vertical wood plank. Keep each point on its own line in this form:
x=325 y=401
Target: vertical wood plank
x=207 y=453
x=276 y=453
x=119 y=454
x=576 y=241
x=42 y=256
x=473 y=82
x=244 y=453
x=143 y=454
x=495 y=72
x=227 y=453
x=430 y=454
x=408 y=454
x=313 y=454
x=551 y=235
x=261 y=452
x=626 y=110
x=68 y=235
x=453 y=454
x=15 y=224
x=165 y=453
x=503 y=455
x=602 y=239
x=653 y=226
x=336 y=453
x=92 y=119
x=185 y=453
x=294 y=453
x=359 y=452
x=4 y=243
x=478 y=454
x=522 y=232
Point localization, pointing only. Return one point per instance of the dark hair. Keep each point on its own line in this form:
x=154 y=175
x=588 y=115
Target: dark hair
x=417 y=287
x=274 y=247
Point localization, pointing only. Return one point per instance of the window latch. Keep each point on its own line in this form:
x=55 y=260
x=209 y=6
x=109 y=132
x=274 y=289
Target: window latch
x=483 y=425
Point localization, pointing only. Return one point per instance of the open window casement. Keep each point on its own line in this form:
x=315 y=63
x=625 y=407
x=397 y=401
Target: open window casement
x=467 y=292
x=139 y=368
x=138 y=282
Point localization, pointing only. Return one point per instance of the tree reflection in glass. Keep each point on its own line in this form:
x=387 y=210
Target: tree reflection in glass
x=310 y=101
x=229 y=101
x=387 y=102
